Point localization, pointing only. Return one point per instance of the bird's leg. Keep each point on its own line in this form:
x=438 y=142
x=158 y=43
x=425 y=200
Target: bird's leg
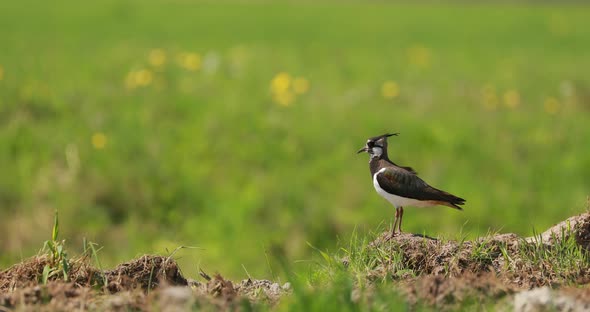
x=395 y=222
x=401 y=215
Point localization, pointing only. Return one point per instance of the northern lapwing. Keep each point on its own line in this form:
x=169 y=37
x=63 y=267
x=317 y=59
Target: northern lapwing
x=400 y=185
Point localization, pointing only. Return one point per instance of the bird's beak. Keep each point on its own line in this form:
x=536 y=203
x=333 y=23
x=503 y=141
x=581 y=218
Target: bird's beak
x=364 y=149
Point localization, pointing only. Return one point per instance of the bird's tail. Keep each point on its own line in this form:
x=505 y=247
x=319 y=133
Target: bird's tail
x=449 y=200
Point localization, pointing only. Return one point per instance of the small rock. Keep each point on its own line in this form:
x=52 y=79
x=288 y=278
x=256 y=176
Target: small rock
x=286 y=286
x=116 y=302
x=275 y=288
x=545 y=299
x=176 y=298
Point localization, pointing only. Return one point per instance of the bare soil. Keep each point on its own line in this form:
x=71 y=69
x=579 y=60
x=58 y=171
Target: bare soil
x=446 y=273
x=141 y=284
x=438 y=273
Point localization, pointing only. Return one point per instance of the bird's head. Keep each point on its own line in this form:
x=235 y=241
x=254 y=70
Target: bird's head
x=377 y=146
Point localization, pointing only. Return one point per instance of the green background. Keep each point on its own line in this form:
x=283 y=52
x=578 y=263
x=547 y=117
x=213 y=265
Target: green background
x=491 y=100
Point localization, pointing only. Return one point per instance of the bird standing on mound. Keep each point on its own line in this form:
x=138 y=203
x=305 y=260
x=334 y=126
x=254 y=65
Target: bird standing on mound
x=400 y=185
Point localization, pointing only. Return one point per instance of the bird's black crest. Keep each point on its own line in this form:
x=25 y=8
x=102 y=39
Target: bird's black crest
x=382 y=136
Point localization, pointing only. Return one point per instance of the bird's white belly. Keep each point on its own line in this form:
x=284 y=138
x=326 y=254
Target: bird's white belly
x=398 y=201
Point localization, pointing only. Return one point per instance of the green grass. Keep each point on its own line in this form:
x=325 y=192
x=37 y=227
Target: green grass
x=354 y=278
x=56 y=252
x=209 y=159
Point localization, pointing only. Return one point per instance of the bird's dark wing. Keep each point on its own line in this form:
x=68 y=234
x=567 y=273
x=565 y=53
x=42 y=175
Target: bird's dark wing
x=410 y=169
x=406 y=184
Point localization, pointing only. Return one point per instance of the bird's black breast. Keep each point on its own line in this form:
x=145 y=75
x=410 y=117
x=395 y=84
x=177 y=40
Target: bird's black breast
x=374 y=165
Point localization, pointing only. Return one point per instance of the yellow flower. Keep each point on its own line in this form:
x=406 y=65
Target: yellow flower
x=143 y=77
x=157 y=57
x=511 y=99
x=140 y=78
x=130 y=80
x=284 y=98
x=190 y=61
x=300 y=85
x=99 y=140
x=551 y=105
x=419 y=56
x=390 y=89
x=280 y=83
x=489 y=97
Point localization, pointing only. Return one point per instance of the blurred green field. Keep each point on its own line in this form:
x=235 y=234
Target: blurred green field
x=234 y=127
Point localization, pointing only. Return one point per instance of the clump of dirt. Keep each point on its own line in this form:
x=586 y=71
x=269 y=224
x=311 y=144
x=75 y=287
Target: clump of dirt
x=26 y=273
x=30 y=273
x=65 y=296
x=264 y=290
x=141 y=284
x=222 y=292
x=443 y=273
x=452 y=293
x=146 y=272
x=22 y=284
x=520 y=262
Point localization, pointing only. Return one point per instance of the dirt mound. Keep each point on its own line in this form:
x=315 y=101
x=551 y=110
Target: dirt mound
x=451 y=293
x=484 y=291
x=224 y=293
x=22 y=284
x=146 y=272
x=143 y=283
x=30 y=273
x=443 y=273
x=424 y=255
x=439 y=273
x=56 y=295
x=519 y=262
